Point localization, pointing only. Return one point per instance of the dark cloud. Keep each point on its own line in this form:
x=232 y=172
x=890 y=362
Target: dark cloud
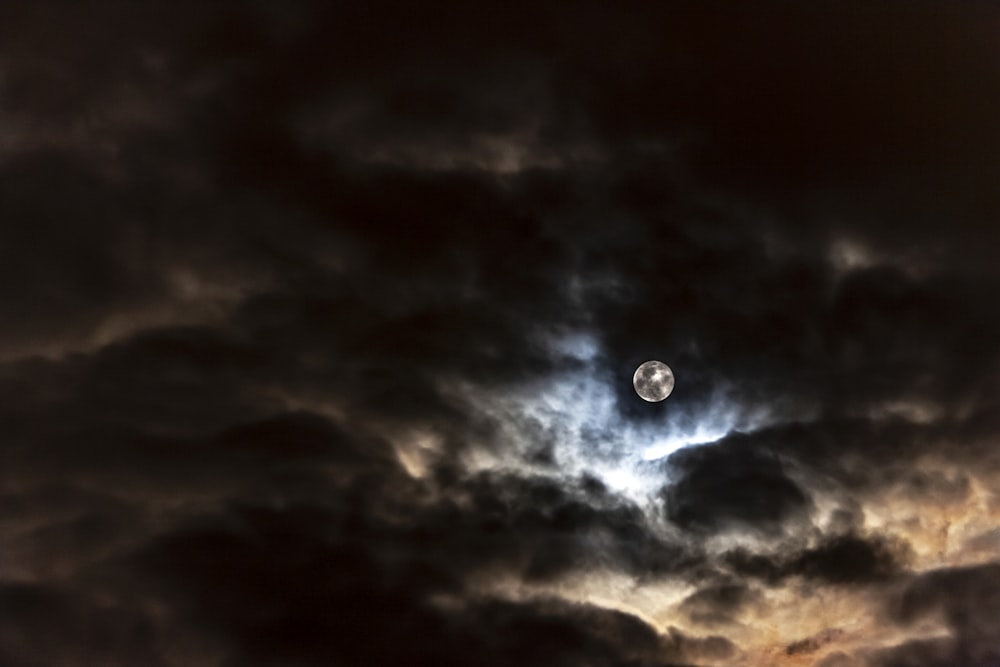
x=726 y=485
x=966 y=599
x=814 y=643
x=305 y=585
x=319 y=325
x=923 y=652
x=91 y=631
x=719 y=604
x=212 y=504
x=839 y=560
x=546 y=528
x=850 y=559
x=74 y=274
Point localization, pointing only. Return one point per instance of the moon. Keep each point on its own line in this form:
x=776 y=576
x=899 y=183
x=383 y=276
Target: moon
x=653 y=381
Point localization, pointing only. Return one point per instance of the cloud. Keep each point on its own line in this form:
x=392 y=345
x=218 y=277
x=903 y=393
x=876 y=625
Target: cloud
x=850 y=559
x=719 y=604
x=304 y=584
x=812 y=644
x=719 y=486
x=92 y=631
x=839 y=560
x=320 y=325
x=967 y=599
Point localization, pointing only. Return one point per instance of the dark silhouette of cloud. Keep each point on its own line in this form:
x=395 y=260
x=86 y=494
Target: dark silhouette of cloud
x=839 y=560
x=719 y=486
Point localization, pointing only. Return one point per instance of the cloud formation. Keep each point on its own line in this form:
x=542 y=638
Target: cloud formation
x=320 y=323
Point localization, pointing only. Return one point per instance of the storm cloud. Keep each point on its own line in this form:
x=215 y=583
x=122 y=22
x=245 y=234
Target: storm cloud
x=320 y=323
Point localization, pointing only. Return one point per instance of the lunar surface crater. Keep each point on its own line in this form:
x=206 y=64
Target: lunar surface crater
x=653 y=381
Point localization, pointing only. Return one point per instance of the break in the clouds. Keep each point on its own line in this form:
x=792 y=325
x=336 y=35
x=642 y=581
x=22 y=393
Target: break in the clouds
x=319 y=326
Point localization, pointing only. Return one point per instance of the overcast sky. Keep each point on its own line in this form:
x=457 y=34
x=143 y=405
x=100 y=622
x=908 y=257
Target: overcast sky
x=319 y=322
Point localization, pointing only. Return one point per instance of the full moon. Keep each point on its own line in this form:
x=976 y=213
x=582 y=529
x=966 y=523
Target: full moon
x=653 y=381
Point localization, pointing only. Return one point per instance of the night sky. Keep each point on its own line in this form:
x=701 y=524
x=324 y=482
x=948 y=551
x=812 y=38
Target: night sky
x=319 y=321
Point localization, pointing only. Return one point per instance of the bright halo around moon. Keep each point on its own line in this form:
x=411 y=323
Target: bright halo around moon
x=653 y=381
